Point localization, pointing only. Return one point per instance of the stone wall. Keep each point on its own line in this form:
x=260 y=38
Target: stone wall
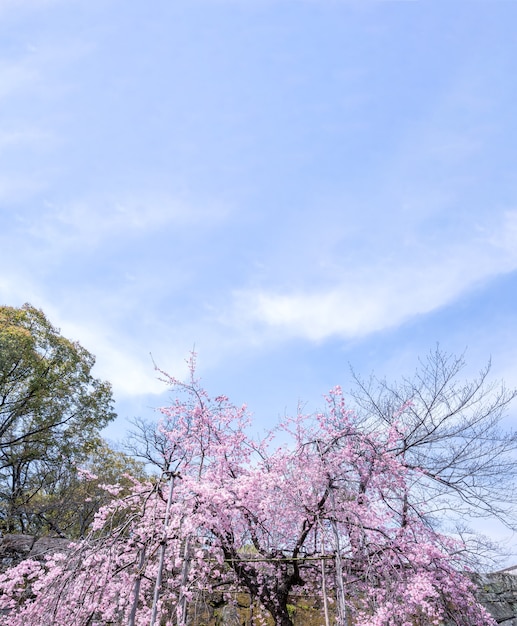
x=498 y=593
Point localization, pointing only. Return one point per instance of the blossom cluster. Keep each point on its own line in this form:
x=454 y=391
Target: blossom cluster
x=256 y=517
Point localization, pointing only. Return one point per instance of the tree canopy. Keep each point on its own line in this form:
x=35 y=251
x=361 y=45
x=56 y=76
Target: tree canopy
x=331 y=505
x=452 y=432
x=51 y=411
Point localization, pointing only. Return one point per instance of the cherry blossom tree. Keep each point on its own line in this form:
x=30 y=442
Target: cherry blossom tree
x=321 y=506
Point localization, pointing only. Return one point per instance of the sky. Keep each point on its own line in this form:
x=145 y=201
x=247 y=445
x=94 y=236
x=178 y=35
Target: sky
x=290 y=188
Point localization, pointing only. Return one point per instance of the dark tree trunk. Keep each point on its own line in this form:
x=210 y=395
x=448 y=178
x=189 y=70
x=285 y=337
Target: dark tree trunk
x=279 y=613
x=273 y=590
x=276 y=603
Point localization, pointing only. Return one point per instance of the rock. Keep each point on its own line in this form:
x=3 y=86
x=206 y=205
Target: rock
x=498 y=593
x=15 y=548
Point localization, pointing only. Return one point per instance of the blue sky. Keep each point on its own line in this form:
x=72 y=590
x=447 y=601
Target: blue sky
x=289 y=186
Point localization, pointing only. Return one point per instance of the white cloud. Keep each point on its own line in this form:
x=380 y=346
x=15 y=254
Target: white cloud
x=129 y=370
x=22 y=6
x=15 y=289
x=23 y=137
x=121 y=357
x=505 y=238
x=90 y=221
x=15 y=76
x=381 y=296
x=16 y=188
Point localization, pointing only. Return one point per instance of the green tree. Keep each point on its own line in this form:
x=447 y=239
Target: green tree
x=71 y=492
x=51 y=411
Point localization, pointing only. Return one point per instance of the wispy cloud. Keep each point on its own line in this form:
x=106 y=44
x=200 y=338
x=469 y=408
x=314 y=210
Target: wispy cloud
x=24 y=137
x=91 y=221
x=129 y=368
x=22 y=6
x=15 y=75
x=382 y=296
x=123 y=360
x=16 y=187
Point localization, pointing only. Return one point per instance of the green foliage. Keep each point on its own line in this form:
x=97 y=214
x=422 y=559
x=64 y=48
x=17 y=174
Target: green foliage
x=66 y=501
x=51 y=412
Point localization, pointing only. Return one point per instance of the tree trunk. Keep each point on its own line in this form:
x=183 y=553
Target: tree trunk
x=278 y=610
x=281 y=616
